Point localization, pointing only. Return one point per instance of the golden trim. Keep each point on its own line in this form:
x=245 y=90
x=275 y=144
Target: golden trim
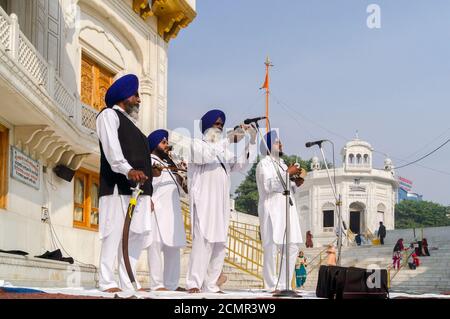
x=172 y=15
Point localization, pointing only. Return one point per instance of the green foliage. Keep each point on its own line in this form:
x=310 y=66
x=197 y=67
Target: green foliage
x=247 y=192
x=414 y=214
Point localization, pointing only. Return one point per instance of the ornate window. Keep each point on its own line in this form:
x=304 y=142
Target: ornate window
x=85 y=199
x=366 y=159
x=328 y=217
x=351 y=158
x=95 y=81
x=358 y=159
x=4 y=151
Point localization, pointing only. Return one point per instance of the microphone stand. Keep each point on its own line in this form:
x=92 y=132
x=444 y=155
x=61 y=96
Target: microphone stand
x=287 y=193
x=338 y=199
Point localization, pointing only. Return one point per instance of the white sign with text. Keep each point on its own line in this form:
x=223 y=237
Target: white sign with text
x=25 y=169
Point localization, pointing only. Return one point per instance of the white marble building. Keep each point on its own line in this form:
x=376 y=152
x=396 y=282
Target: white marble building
x=368 y=195
x=57 y=58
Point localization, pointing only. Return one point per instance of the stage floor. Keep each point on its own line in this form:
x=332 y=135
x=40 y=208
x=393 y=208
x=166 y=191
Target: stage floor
x=12 y=292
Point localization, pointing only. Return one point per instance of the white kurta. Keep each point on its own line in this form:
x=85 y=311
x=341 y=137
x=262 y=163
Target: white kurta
x=272 y=203
x=168 y=234
x=168 y=221
x=209 y=184
x=209 y=193
x=272 y=217
x=112 y=208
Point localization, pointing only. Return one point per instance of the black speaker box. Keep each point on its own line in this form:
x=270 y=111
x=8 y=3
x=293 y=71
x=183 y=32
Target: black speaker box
x=350 y=283
x=64 y=172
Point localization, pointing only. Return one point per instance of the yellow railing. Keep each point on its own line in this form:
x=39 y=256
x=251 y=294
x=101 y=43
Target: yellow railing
x=244 y=248
x=393 y=272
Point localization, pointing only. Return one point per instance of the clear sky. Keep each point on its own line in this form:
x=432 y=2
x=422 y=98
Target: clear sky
x=332 y=76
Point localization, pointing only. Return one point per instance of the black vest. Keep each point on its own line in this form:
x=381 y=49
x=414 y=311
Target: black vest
x=136 y=151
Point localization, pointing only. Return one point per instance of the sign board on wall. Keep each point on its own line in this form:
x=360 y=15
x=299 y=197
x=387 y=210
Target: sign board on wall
x=25 y=169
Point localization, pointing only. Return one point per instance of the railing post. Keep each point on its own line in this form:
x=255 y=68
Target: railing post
x=78 y=112
x=51 y=79
x=14 y=36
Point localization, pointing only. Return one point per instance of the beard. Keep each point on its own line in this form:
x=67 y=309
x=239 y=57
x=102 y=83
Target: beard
x=213 y=135
x=132 y=110
x=277 y=153
x=161 y=153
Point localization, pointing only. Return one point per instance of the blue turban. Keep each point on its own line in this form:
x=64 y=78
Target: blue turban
x=207 y=121
x=270 y=139
x=156 y=137
x=122 y=89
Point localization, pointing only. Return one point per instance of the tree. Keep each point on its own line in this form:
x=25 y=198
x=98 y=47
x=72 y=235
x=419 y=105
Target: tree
x=415 y=214
x=247 y=192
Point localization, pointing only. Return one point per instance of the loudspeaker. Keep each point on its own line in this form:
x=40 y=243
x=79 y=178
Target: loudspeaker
x=64 y=172
x=351 y=283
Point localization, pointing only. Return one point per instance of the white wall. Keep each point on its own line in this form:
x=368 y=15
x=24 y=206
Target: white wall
x=112 y=30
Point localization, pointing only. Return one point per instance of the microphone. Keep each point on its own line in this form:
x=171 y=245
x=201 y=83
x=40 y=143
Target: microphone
x=319 y=142
x=253 y=120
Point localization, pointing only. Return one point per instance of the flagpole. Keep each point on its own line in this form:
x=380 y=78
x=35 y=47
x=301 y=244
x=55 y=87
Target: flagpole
x=266 y=86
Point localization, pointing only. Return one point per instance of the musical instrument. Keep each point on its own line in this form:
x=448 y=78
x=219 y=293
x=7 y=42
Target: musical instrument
x=179 y=170
x=237 y=134
x=298 y=177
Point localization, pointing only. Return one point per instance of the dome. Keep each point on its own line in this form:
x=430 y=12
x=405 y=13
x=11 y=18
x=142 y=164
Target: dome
x=315 y=164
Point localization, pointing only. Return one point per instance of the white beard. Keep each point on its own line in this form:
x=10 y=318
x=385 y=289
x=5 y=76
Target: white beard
x=213 y=135
x=133 y=112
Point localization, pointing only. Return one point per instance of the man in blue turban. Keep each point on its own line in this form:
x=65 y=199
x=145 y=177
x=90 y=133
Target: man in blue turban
x=125 y=91
x=209 y=172
x=124 y=161
x=272 y=208
x=168 y=235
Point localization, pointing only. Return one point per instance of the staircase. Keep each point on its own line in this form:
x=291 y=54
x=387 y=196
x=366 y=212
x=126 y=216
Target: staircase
x=432 y=276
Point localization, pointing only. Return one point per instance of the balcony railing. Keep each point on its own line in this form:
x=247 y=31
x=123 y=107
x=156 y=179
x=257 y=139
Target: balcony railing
x=20 y=51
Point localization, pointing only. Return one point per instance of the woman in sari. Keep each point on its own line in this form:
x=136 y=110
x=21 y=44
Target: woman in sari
x=397 y=253
x=300 y=270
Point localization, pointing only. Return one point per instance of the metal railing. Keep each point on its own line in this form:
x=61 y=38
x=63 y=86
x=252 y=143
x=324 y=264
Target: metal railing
x=18 y=49
x=392 y=273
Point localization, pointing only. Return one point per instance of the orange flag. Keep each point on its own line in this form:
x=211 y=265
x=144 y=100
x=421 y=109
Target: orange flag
x=266 y=82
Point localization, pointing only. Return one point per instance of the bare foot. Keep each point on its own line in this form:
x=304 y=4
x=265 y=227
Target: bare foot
x=180 y=289
x=144 y=290
x=222 y=279
x=162 y=289
x=194 y=291
x=220 y=292
x=113 y=290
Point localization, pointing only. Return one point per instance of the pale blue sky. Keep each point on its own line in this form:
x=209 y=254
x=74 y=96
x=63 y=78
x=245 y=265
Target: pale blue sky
x=330 y=71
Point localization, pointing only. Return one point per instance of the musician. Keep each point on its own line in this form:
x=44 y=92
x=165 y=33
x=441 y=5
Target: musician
x=272 y=212
x=167 y=235
x=209 y=171
x=124 y=162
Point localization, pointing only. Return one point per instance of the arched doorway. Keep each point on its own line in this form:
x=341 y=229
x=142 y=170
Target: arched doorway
x=356 y=222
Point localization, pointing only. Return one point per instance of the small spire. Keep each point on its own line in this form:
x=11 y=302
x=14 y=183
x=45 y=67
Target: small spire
x=357 y=134
x=268 y=62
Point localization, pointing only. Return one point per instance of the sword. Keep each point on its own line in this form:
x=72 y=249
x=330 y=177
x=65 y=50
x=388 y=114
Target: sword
x=137 y=191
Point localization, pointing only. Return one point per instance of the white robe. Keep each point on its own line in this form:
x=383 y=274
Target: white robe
x=209 y=184
x=168 y=234
x=168 y=220
x=112 y=208
x=272 y=217
x=209 y=193
x=272 y=203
